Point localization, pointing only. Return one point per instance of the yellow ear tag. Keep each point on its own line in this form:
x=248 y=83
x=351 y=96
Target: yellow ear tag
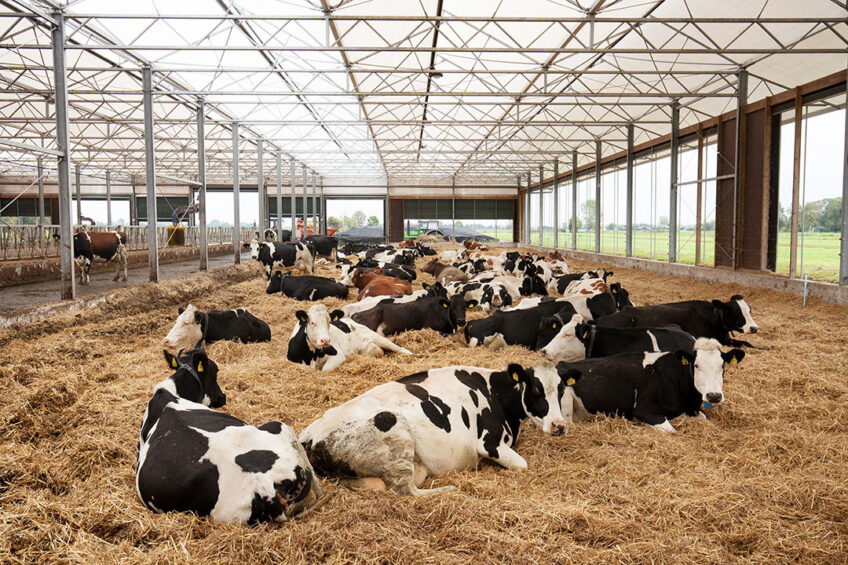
x=173 y=362
x=614 y=291
x=515 y=377
x=199 y=367
x=444 y=305
x=570 y=382
x=733 y=360
x=585 y=334
x=684 y=361
x=554 y=326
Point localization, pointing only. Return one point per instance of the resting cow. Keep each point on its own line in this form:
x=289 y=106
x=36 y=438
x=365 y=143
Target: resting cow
x=431 y=423
x=194 y=328
x=591 y=306
x=305 y=287
x=433 y=312
x=368 y=303
x=519 y=327
x=576 y=341
x=325 y=245
x=375 y=283
x=194 y=459
x=559 y=284
x=653 y=387
x=444 y=274
x=701 y=318
x=324 y=341
x=296 y=255
x=106 y=245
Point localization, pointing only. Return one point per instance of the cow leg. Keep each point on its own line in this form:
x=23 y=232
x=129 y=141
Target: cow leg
x=504 y=455
x=334 y=255
x=373 y=350
x=495 y=342
x=657 y=421
x=334 y=361
x=386 y=343
x=123 y=260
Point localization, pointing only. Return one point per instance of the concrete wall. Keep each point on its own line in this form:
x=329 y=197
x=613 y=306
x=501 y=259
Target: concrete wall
x=32 y=270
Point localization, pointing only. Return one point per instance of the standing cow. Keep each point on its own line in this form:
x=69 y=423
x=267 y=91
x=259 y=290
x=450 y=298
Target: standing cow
x=279 y=255
x=107 y=245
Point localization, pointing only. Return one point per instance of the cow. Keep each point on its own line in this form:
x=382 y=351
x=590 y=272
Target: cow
x=194 y=328
x=270 y=235
x=375 y=283
x=106 y=245
x=372 y=301
x=440 y=421
x=576 y=340
x=701 y=318
x=601 y=301
x=434 y=312
x=325 y=245
x=397 y=256
x=424 y=251
x=653 y=387
x=354 y=248
x=559 y=284
x=324 y=340
x=306 y=287
x=287 y=254
x=519 y=327
x=389 y=269
x=444 y=274
x=195 y=459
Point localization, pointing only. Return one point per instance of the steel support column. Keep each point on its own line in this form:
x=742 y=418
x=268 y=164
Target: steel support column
x=529 y=206
x=60 y=84
x=323 y=216
x=108 y=199
x=843 y=257
x=453 y=208
x=628 y=214
x=133 y=203
x=236 y=197
x=40 y=173
x=201 y=178
x=279 y=196
x=314 y=203
x=152 y=241
x=672 y=199
x=598 y=196
x=305 y=203
x=260 y=187
x=78 y=178
x=556 y=203
x=699 y=208
x=796 y=186
x=574 y=199
x=541 y=205
x=293 y=199
x=741 y=100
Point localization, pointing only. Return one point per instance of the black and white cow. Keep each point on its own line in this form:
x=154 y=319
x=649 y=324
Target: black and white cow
x=287 y=254
x=701 y=318
x=559 y=284
x=323 y=340
x=105 y=245
x=194 y=459
x=370 y=302
x=653 y=387
x=434 y=422
x=430 y=312
x=305 y=287
x=194 y=328
x=270 y=235
x=519 y=327
x=575 y=340
x=589 y=305
x=397 y=256
x=325 y=245
x=404 y=272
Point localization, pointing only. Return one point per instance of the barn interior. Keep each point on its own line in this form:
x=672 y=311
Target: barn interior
x=697 y=150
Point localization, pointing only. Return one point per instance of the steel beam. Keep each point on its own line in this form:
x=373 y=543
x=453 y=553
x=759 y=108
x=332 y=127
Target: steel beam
x=150 y=158
x=699 y=208
x=628 y=214
x=843 y=256
x=108 y=200
x=40 y=172
x=598 y=196
x=60 y=77
x=293 y=199
x=453 y=207
x=541 y=205
x=323 y=217
x=556 y=203
x=260 y=186
x=279 y=196
x=796 y=186
x=237 y=243
x=201 y=177
x=529 y=205
x=672 y=204
x=305 y=202
x=314 y=203
x=741 y=101
x=78 y=177
x=574 y=199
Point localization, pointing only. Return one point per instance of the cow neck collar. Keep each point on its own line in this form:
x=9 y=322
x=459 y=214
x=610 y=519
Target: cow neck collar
x=191 y=371
x=204 y=328
x=592 y=333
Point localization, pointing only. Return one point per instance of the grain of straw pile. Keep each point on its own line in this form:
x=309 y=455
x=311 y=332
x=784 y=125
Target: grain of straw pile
x=764 y=480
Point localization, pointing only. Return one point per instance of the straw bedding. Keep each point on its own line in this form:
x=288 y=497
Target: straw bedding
x=765 y=479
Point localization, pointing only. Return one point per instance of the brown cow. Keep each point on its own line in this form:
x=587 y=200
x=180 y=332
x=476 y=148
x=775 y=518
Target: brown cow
x=470 y=245
x=107 y=245
x=444 y=273
x=407 y=244
x=375 y=283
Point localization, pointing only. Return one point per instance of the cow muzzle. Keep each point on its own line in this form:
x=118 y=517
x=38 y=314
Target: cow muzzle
x=555 y=428
x=714 y=397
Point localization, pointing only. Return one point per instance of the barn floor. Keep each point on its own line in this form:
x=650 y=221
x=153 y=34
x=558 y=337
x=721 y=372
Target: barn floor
x=764 y=480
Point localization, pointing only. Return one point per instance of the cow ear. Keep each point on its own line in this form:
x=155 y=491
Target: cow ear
x=718 y=304
x=199 y=360
x=336 y=315
x=171 y=360
x=516 y=372
x=736 y=297
x=444 y=303
x=180 y=310
x=571 y=376
x=614 y=288
x=197 y=317
x=279 y=274
x=471 y=303
x=684 y=357
x=246 y=245
x=425 y=286
x=733 y=357
x=301 y=316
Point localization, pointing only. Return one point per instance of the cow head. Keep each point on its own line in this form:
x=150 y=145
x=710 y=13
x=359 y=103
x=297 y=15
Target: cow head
x=706 y=363
x=540 y=392
x=619 y=295
x=430 y=267
x=275 y=285
x=316 y=324
x=561 y=340
x=195 y=378
x=269 y=235
x=457 y=306
x=187 y=331
x=736 y=315
x=253 y=246
x=436 y=289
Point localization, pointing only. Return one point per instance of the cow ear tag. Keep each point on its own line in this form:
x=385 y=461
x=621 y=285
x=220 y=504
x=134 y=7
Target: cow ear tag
x=684 y=361
x=200 y=366
x=174 y=362
x=515 y=377
x=585 y=334
x=707 y=405
x=570 y=382
x=733 y=360
x=614 y=291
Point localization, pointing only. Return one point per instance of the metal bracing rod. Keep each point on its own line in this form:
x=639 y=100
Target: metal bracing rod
x=453 y=207
x=201 y=177
x=305 y=202
x=672 y=203
x=108 y=200
x=293 y=200
x=279 y=157
x=598 y=196
x=260 y=187
x=628 y=246
x=60 y=76
x=78 y=178
x=574 y=200
x=323 y=217
x=40 y=173
x=236 y=197
x=314 y=202
x=529 y=211
x=741 y=101
x=556 y=203
x=541 y=204
x=30 y=148
x=386 y=122
x=152 y=216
